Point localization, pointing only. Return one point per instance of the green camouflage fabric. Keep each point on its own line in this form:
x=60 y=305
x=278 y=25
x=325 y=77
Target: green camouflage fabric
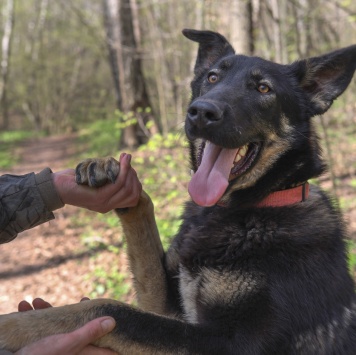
x=25 y=202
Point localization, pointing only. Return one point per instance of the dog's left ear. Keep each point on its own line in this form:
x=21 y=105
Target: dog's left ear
x=212 y=47
x=326 y=77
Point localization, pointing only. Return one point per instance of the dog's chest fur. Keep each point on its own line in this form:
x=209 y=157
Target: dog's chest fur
x=235 y=269
x=220 y=264
x=189 y=289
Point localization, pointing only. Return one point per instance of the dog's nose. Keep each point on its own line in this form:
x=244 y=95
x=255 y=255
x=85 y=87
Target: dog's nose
x=202 y=113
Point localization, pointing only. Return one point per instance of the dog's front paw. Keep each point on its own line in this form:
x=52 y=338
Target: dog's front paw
x=97 y=172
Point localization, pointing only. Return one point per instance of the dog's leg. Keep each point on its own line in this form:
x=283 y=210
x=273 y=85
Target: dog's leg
x=144 y=246
x=136 y=332
x=146 y=255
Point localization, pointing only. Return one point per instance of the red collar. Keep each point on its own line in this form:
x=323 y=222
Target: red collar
x=283 y=197
x=286 y=197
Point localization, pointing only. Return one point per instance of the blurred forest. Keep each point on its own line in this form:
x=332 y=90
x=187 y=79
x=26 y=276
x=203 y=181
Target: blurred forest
x=65 y=63
x=87 y=77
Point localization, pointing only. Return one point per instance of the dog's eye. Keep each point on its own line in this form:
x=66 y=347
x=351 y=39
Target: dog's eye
x=212 y=78
x=263 y=88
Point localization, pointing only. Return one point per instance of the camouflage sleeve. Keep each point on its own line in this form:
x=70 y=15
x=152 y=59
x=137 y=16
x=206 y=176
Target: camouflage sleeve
x=25 y=202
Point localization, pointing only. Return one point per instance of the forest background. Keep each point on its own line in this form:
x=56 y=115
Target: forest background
x=93 y=77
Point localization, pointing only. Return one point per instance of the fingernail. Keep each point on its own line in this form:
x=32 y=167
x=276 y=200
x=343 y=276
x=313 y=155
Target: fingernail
x=108 y=324
x=128 y=157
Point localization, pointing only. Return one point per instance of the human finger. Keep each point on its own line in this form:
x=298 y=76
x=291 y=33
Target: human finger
x=24 y=306
x=87 y=334
x=133 y=188
x=70 y=172
x=39 y=303
x=129 y=193
x=74 y=343
x=125 y=165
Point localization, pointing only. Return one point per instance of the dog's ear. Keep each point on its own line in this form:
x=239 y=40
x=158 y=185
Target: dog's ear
x=212 y=46
x=326 y=77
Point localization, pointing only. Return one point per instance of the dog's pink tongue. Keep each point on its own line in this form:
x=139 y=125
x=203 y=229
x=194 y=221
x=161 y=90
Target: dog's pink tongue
x=210 y=181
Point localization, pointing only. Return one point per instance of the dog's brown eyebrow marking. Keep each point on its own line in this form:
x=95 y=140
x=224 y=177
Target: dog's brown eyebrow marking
x=226 y=64
x=257 y=73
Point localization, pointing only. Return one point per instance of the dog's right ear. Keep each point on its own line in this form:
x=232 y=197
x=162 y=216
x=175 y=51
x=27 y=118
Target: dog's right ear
x=324 y=78
x=212 y=46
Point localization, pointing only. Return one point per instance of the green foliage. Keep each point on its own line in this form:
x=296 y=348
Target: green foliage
x=162 y=167
x=352 y=256
x=11 y=137
x=113 y=283
x=109 y=219
x=130 y=118
x=167 y=229
x=8 y=142
x=92 y=240
x=101 y=138
x=57 y=64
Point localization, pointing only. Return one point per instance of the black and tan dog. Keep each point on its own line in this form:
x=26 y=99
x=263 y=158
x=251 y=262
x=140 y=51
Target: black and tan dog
x=259 y=265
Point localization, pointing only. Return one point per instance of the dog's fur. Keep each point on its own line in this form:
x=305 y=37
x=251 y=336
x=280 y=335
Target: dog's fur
x=241 y=277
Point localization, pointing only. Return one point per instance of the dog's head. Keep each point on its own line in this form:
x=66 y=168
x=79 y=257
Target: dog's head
x=249 y=119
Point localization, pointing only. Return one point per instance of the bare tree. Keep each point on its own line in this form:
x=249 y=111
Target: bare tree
x=126 y=67
x=241 y=26
x=31 y=106
x=113 y=37
x=9 y=16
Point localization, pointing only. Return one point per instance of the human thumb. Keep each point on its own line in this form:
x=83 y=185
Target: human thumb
x=92 y=331
x=107 y=324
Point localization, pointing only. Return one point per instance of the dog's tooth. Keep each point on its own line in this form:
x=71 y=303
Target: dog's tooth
x=243 y=151
x=191 y=172
x=237 y=158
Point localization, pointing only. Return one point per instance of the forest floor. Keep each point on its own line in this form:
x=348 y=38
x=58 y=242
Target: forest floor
x=53 y=260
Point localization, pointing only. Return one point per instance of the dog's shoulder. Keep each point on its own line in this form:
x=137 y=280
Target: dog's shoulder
x=316 y=220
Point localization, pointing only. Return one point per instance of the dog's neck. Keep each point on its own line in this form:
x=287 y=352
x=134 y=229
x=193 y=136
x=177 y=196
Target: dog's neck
x=280 y=198
x=286 y=197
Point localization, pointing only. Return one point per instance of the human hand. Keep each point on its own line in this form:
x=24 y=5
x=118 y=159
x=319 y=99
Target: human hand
x=38 y=303
x=125 y=192
x=74 y=343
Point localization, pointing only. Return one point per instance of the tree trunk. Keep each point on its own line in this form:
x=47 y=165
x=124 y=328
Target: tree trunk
x=9 y=16
x=300 y=14
x=241 y=26
x=133 y=135
x=279 y=14
x=126 y=67
x=32 y=106
x=111 y=23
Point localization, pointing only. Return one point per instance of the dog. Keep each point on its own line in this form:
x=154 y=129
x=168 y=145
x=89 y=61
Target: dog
x=259 y=263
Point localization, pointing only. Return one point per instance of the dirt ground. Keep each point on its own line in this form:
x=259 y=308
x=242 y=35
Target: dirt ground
x=51 y=261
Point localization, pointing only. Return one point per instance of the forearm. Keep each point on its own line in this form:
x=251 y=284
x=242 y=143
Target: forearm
x=25 y=202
